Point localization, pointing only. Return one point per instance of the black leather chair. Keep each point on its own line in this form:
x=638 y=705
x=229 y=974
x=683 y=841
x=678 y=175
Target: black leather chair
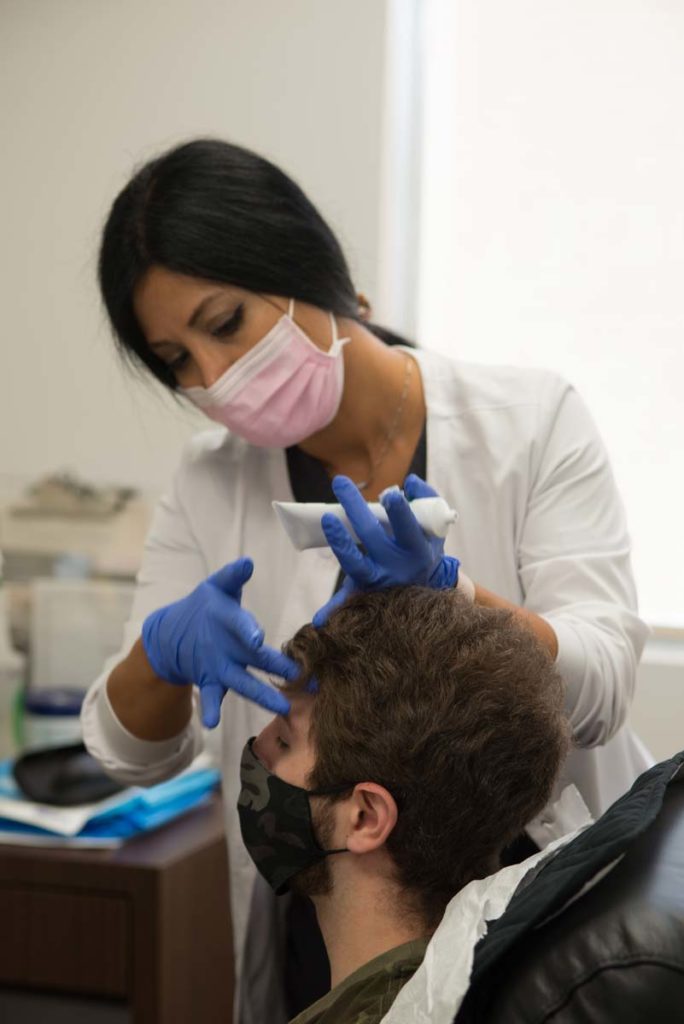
x=581 y=944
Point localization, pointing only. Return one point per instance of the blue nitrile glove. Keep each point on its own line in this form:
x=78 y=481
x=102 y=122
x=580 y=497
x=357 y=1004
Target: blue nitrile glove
x=206 y=638
x=410 y=556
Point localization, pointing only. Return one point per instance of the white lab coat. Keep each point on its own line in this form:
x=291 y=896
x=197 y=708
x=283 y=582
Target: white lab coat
x=516 y=453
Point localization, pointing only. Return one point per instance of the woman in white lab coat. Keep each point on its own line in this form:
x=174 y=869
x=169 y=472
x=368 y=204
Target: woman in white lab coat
x=220 y=278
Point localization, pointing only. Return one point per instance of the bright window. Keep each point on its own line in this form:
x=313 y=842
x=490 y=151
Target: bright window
x=552 y=227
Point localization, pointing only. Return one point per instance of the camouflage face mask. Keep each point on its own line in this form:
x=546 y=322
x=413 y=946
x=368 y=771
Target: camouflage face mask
x=276 y=824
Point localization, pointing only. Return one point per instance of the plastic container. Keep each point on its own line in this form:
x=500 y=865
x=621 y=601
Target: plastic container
x=76 y=625
x=11 y=680
x=51 y=717
x=12 y=665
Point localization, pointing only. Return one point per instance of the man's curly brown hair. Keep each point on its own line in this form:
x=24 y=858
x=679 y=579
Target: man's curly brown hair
x=456 y=709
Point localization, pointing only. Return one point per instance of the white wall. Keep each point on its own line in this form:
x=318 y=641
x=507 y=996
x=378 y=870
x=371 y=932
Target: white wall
x=90 y=88
x=657 y=712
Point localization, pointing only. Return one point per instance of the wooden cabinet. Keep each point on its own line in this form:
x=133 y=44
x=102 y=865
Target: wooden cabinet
x=141 y=934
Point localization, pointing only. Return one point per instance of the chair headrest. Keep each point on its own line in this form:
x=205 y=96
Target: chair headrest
x=576 y=914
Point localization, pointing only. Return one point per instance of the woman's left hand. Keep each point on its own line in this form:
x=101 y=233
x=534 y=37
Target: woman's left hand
x=408 y=556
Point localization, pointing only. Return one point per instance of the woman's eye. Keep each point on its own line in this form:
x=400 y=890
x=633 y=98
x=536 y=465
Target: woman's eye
x=176 y=366
x=282 y=744
x=178 y=363
x=229 y=326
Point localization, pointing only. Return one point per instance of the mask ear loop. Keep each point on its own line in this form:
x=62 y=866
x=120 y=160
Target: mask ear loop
x=333 y=325
x=342 y=787
x=326 y=792
x=336 y=342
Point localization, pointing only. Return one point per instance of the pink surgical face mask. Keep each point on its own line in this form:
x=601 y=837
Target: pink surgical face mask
x=280 y=392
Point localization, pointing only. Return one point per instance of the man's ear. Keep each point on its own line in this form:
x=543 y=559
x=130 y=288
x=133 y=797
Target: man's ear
x=373 y=815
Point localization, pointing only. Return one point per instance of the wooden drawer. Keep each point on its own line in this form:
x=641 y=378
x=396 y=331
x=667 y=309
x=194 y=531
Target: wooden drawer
x=64 y=939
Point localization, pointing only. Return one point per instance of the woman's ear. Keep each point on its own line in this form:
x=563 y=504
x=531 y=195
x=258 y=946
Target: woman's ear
x=365 y=310
x=373 y=815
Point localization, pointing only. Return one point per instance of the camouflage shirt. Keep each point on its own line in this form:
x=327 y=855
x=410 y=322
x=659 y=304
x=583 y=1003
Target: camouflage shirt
x=367 y=994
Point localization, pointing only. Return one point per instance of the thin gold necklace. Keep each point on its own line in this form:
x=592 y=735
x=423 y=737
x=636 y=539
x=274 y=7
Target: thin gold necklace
x=392 y=432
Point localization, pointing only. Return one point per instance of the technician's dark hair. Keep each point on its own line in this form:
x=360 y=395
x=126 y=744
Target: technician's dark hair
x=213 y=210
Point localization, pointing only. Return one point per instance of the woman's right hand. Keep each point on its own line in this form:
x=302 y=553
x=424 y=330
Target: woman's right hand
x=206 y=638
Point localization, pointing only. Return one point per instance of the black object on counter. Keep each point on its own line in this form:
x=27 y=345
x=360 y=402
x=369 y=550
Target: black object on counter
x=63 y=776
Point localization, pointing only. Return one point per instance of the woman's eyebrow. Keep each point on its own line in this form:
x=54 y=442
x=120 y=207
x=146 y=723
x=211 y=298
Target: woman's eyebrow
x=202 y=306
x=162 y=343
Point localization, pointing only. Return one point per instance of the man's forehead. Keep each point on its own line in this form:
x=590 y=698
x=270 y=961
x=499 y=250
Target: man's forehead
x=299 y=715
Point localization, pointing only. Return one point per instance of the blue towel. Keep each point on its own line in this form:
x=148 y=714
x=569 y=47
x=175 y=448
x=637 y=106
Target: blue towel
x=136 y=811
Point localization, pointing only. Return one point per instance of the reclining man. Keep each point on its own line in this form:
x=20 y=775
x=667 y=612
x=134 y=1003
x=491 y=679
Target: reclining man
x=424 y=734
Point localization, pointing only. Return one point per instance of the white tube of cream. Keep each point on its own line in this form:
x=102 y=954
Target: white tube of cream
x=302 y=520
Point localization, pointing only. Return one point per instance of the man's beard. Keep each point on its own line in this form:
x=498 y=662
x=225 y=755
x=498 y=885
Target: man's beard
x=317 y=879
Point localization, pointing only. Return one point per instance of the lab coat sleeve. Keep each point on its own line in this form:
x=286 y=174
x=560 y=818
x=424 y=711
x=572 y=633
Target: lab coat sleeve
x=574 y=566
x=172 y=566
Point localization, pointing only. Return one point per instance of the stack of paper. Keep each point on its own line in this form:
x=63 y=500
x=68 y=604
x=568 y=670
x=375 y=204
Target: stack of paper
x=107 y=823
